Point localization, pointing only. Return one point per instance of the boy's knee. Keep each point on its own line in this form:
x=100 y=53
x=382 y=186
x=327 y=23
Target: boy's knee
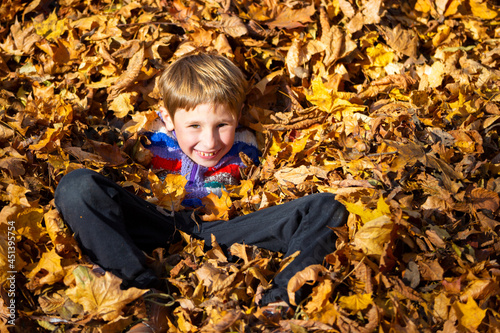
x=73 y=186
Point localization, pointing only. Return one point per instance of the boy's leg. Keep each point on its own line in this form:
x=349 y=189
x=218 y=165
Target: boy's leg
x=299 y=225
x=114 y=226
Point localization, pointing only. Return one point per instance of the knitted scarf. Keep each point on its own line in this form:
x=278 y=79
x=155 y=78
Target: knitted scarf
x=169 y=158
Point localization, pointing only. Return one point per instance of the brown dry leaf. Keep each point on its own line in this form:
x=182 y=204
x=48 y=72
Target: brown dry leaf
x=130 y=75
x=298 y=175
x=233 y=26
x=347 y=8
x=484 y=199
x=288 y=18
x=371 y=12
x=14 y=165
x=480 y=289
x=311 y=273
x=401 y=40
x=295 y=57
x=6 y=133
x=211 y=277
x=430 y=270
x=101 y=295
x=111 y=154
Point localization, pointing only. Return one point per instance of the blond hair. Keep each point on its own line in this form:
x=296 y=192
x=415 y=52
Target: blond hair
x=202 y=79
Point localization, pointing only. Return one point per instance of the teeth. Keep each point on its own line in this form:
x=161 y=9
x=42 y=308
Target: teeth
x=206 y=154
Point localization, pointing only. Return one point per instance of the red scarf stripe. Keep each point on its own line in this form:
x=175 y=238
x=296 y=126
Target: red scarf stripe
x=164 y=163
x=232 y=169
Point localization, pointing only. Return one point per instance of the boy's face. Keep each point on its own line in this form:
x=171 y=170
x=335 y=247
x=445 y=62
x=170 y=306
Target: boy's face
x=205 y=133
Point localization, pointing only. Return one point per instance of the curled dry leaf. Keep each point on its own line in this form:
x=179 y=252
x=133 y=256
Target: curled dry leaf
x=128 y=77
x=311 y=273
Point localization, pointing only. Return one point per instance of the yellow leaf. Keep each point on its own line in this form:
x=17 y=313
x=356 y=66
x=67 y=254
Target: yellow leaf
x=380 y=55
x=194 y=246
x=423 y=6
x=436 y=74
x=16 y=195
x=470 y=314
x=123 y=104
x=343 y=108
x=374 y=235
x=243 y=190
x=276 y=146
x=52 y=28
x=101 y=295
x=480 y=8
x=47 y=271
x=321 y=96
x=140 y=120
x=368 y=214
x=168 y=193
x=355 y=302
x=327 y=314
x=28 y=223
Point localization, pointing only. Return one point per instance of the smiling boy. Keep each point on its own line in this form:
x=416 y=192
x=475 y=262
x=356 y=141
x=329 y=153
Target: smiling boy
x=197 y=136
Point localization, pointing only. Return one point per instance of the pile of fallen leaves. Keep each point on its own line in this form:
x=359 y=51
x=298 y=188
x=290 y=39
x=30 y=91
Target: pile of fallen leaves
x=391 y=105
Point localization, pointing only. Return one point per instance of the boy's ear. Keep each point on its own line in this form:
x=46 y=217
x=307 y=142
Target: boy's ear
x=165 y=116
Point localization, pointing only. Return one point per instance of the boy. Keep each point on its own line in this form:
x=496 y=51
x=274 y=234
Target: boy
x=203 y=95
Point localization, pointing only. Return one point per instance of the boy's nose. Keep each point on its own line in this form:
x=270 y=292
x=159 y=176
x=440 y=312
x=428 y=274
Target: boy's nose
x=210 y=139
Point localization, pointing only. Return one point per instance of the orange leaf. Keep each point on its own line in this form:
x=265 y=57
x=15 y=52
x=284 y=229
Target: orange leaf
x=310 y=273
x=216 y=208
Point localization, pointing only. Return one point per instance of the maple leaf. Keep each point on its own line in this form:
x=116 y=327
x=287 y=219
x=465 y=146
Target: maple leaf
x=216 y=208
x=47 y=271
x=470 y=314
x=101 y=295
x=356 y=302
x=168 y=193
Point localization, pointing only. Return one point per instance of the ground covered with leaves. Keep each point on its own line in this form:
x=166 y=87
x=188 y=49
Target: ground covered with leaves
x=392 y=105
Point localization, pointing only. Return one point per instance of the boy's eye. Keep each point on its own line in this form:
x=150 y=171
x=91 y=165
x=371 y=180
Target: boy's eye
x=194 y=126
x=222 y=125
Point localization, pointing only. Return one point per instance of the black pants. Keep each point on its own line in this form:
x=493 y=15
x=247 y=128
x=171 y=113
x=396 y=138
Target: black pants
x=114 y=226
